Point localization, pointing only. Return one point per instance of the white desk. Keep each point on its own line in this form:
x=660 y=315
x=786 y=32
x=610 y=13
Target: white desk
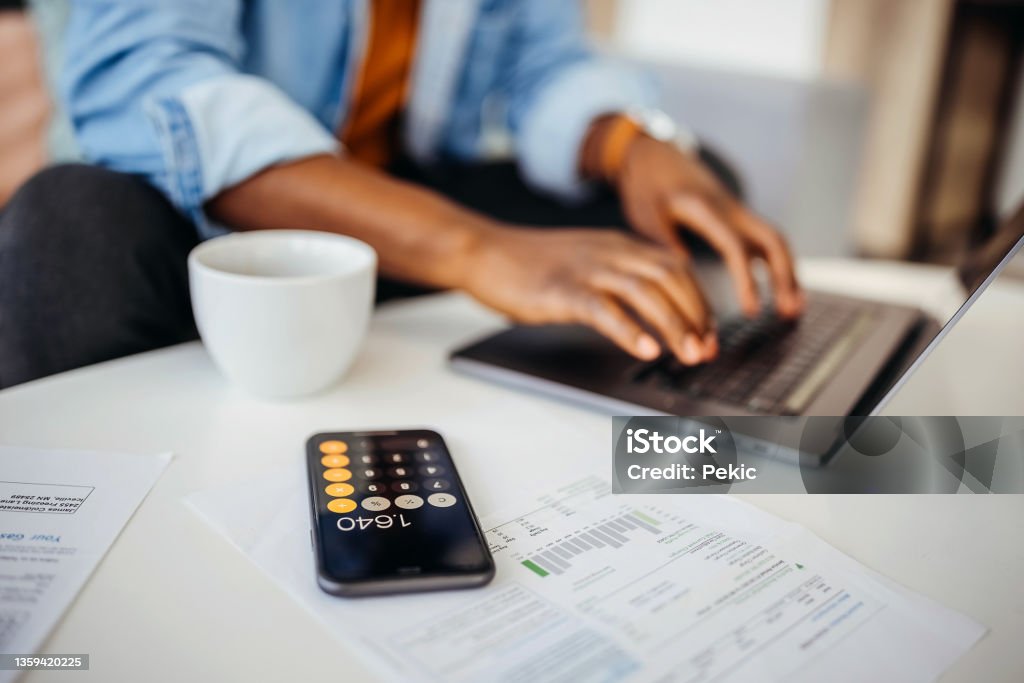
x=173 y=601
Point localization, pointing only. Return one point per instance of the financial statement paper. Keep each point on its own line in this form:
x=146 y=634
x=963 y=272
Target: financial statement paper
x=60 y=511
x=592 y=586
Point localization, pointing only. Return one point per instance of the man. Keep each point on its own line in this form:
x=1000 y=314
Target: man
x=267 y=115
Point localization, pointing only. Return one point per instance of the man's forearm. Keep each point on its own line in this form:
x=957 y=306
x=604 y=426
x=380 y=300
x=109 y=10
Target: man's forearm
x=419 y=236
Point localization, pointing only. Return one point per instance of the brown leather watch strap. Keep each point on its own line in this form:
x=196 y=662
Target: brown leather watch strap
x=622 y=131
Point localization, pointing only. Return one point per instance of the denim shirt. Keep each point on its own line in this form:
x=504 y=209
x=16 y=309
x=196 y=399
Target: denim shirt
x=198 y=95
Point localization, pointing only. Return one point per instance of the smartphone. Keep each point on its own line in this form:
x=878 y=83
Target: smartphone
x=390 y=515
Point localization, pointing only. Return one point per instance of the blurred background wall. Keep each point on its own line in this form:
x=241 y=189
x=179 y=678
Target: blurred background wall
x=929 y=91
x=775 y=38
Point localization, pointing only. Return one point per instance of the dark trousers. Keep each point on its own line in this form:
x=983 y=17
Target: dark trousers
x=93 y=262
x=92 y=267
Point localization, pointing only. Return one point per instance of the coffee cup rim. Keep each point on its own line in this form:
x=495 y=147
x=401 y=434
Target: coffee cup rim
x=197 y=258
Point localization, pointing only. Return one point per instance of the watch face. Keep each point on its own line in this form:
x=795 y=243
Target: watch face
x=660 y=125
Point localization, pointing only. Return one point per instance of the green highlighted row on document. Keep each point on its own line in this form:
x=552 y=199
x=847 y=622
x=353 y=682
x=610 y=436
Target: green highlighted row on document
x=614 y=534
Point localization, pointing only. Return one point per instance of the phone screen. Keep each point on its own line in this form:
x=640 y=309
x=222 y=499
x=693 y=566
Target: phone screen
x=390 y=514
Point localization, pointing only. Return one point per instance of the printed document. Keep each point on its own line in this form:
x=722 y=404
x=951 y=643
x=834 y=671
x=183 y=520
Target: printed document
x=59 y=513
x=592 y=586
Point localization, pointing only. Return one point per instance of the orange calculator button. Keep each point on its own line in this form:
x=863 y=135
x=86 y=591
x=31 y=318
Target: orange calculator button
x=341 y=505
x=334 y=447
x=340 y=490
x=334 y=460
x=337 y=474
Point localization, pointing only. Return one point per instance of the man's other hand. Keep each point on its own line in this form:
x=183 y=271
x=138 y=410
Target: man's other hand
x=624 y=287
x=664 y=189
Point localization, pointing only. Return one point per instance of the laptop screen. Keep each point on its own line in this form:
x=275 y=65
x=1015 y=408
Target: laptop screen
x=976 y=271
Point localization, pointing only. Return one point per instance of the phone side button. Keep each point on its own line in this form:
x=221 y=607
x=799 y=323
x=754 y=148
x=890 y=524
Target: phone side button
x=311 y=544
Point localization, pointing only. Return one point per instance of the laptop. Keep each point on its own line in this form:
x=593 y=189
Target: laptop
x=845 y=356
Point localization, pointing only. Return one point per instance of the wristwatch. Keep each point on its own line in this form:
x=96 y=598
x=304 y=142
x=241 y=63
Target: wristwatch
x=627 y=126
x=657 y=124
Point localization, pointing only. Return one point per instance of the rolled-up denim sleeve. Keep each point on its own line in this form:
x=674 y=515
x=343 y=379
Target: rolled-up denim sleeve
x=557 y=86
x=154 y=88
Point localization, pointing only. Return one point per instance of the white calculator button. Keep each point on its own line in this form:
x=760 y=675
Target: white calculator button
x=376 y=503
x=409 y=502
x=441 y=500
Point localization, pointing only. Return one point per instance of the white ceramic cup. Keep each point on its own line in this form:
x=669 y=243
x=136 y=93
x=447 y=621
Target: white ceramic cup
x=283 y=313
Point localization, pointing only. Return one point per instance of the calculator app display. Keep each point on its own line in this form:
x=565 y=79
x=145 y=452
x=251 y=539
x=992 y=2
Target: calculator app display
x=391 y=506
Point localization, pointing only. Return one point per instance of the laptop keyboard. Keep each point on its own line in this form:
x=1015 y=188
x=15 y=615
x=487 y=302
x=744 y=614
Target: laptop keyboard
x=767 y=364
